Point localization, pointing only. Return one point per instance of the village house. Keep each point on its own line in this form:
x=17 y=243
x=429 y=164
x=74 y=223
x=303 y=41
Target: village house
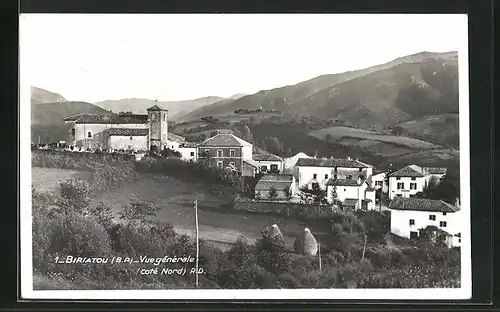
x=225 y=150
x=289 y=162
x=319 y=171
x=411 y=215
x=250 y=168
x=413 y=179
x=379 y=181
x=267 y=162
x=188 y=151
x=283 y=185
x=353 y=194
x=407 y=182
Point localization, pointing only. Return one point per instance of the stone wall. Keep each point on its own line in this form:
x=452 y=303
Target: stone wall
x=307 y=211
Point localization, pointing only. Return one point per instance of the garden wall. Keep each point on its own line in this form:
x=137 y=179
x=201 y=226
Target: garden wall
x=308 y=211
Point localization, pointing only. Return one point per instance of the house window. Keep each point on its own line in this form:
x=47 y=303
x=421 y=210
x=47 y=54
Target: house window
x=73 y=132
x=413 y=235
x=349 y=177
x=89 y=134
x=360 y=169
x=232 y=153
x=413 y=178
x=459 y=240
x=412 y=222
x=401 y=185
x=442 y=224
x=274 y=167
x=345 y=189
x=315 y=176
x=398 y=178
x=335 y=177
x=326 y=177
x=263 y=168
x=378 y=183
x=413 y=186
x=220 y=164
x=131 y=138
x=444 y=213
x=432 y=217
x=219 y=153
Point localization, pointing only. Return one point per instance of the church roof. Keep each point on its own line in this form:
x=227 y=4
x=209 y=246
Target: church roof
x=110 y=118
x=127 y=132
x=156 y=108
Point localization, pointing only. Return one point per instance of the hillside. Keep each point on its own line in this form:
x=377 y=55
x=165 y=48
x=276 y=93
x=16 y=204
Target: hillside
x=139 y=106
x=39 y=95
x=321 y=94
x=47 y=119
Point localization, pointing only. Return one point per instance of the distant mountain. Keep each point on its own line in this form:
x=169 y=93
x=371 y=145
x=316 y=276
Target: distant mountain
x=39 y=95
x=47 y=119
x=237 y=96
x=175 y=108
x=378 y=96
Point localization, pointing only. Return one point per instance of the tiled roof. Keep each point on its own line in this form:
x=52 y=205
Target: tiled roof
x=370 y=189
x=156 y=108
x=408 y=171
x=434 y=170
x=176 y=138
x=188 y=144
x=260 y=154
x=342 y=182
x=127 y=132
x=224 y=140
x=108 y=118
x=421 y=204
x=276 y=177
x=331 y=162
x=266 y=185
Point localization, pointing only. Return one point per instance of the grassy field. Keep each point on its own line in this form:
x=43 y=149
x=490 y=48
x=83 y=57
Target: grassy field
x=48 y=179
x=176 y=200
x=346 y=132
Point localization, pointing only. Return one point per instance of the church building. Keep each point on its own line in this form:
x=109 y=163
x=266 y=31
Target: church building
x=120 y=131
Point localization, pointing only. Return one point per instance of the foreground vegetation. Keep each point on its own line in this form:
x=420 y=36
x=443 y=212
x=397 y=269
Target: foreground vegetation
x=68 y=225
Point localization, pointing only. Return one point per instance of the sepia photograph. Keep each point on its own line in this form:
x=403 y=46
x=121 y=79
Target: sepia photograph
x=244 y=156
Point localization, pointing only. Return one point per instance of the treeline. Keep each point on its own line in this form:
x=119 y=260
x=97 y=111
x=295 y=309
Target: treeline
x=69 y=225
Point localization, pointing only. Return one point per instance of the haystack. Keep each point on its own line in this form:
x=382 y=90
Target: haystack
x=274 y=231
x=306 y=243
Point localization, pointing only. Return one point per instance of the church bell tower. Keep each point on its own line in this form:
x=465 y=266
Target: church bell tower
x=158 y=127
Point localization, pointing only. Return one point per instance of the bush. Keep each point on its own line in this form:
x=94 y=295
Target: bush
x=75 y=196
x=271 y=253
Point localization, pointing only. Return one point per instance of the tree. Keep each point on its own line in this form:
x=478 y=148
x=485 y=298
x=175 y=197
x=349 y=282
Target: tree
x=272 y=193
x=167 y=152
x=138 y=211
x=288 y=193
x=75 y=196
x=103 y=214
x=271 y=253
x=334 y=195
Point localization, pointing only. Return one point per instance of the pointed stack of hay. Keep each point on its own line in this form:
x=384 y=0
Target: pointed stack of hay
x=274 y=231
x=306 y=244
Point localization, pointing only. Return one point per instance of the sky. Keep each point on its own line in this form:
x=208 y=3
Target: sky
x=94 y=58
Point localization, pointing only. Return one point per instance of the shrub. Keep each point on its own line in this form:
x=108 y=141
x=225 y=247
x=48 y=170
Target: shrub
x=79 y=236
x=75 y=196
x=271 y=253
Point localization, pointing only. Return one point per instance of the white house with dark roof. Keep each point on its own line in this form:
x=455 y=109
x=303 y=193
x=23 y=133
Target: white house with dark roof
x=379 y=181
x=410 y=215
x=412 y=179
x=353 y=194
x=407 y=182
x=267 y=162
x=319 y=171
